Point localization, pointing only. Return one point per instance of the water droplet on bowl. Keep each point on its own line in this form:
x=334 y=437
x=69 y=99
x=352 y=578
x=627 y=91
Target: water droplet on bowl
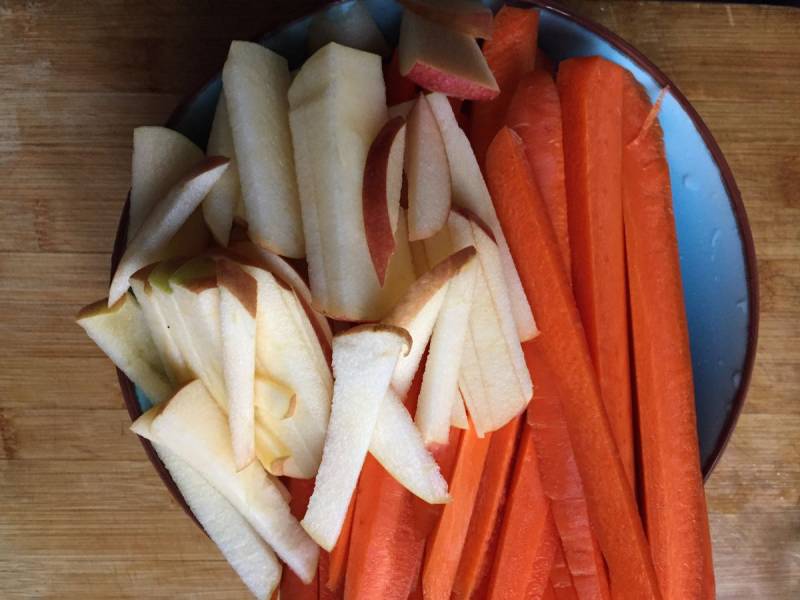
x=742 y=305
x=736 y=379
x=690 y=183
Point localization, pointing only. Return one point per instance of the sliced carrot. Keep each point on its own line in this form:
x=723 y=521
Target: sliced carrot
x=291 y=586
x=477 y=556
x=399 y=89
x=561 y=578
x=612 y=509
x=528 y=538
x=323 y=574
x=535 y=115
x=591 y=101
x=447 y=541
x=510 y=54
x=338 y=556
x=674 y=501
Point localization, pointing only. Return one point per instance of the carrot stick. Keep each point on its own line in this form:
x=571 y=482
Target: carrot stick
x=535 y=115
x=447 y=541
x=291 y=586
x=612 y=509
x=561 y=578
x=528 y=538
x=591 y=102
x=323 y=574
x=399 y=89
x=510 y=54
x=338 y=556
x=675 y=506
x=477 y=554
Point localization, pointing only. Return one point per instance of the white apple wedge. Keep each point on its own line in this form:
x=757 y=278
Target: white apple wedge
x=469 y=191
x=121 y=332
x=220 y=204
x=253 y=560
x=470 y=17
x=238 y=298
x=348 y=24
x=441 y=59
x=192 y=426
x=439 y=389
x=458 y=418
x=428 y=173
x=256 y=81
x=163 y=222
x=364 y=359
x=383 y=181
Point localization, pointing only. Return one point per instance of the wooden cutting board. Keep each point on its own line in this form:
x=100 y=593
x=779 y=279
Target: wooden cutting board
x=82 y=513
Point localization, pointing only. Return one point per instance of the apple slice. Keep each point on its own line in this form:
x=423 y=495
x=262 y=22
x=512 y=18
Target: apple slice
x=441 y=59
x=400 y=110
x=121 y=331
x=192 y=426
x=440 y=381
x=164 y=220
x=220 y=204
x=458 y=418
x=256 y=81
x=470 y=192
x=364 y=359
x=238 y=298
x=383 y=180
x=348 y=24
x=252 y=559
x=470 y=17
x=428 y=173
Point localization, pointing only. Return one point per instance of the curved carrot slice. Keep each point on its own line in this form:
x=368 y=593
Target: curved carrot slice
x=674 y=502
x=535 y=115
x=591 y=102
x=528 y=538
x=291 y=586
x=561 y=578
x=612 y=509
x=510 y=54
x=483 y=527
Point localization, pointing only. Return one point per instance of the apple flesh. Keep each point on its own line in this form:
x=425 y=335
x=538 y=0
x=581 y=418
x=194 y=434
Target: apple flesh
x=192 y=426
x=364 y=359
x=121 y=331
x=428 y=173
x=383 y=180
x=441 y=59
x=469 y=17
x=469 y=192
x=253 y=560
x=256 y=81
x=458 y=417
x=164 y=220
x=220 y=204
x=349 y=24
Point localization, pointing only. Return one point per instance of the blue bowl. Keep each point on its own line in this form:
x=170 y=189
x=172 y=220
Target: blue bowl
x=718 y=263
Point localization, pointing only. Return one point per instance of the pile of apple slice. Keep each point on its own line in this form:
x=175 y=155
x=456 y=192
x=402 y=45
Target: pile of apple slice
x=217 y=324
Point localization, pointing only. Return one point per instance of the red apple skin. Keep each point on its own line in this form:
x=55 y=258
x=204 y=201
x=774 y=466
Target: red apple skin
x=436 y=80
x=466 y=16
x=375 y=194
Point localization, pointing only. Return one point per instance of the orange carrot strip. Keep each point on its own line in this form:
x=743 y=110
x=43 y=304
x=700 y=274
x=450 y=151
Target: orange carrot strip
x=612 y=509
x=338 y=556
x=591 y=102
x=323 y=574
x=447 y=541
x=535 y=115
x=291 y=586
x=528 y=538
x=398 y=88
x=510 y=54
x=561 y=578
x=675 y=506
x=477 y=555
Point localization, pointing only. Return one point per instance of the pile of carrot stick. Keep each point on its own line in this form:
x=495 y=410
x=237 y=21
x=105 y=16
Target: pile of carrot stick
x=597 y=491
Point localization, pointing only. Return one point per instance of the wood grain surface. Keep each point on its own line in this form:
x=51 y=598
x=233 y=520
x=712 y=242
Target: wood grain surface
x=82 y=513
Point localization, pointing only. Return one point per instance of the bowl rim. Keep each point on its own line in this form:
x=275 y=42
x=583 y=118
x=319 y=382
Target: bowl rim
x=732 y=190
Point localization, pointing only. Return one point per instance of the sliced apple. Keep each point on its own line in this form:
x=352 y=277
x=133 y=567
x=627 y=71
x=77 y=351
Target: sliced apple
x=400 y=110
x=440 y=380
x=256 y=81
x=470 y=17
x=458 y=418
x=121 y=331
x=164 y=220
x=427 y=172
x=192 y=426
x=364 y=359
x=348 y=24
x=253 y=560
x=469 y=191
x=220 y=204
x=238 y=298
x=383 y=180
x=441 y=59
